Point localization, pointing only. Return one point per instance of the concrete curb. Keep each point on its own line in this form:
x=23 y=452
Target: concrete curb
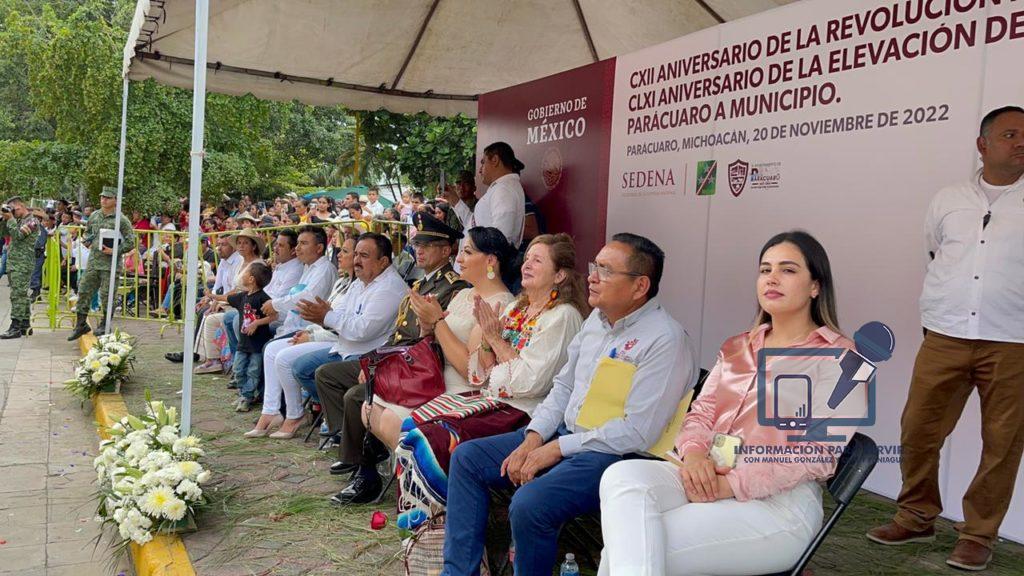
x=165 y=554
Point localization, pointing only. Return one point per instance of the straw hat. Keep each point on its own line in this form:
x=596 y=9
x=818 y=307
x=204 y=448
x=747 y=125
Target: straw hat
x=256 y=237
x=247 y=216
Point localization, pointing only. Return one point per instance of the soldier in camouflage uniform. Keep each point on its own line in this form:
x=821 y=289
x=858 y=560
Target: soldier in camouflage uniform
x=23 y=228
x=337 y=382
x=97 y=273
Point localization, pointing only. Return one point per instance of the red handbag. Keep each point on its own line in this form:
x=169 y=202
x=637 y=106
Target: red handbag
x=409 y=375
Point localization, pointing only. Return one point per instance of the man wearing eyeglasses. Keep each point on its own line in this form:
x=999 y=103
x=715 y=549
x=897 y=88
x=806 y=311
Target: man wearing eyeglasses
x=973 y=313
x=628 y=330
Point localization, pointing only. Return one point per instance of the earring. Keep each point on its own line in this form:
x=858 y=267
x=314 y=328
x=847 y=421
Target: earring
x=490 y=272
x=554 y=295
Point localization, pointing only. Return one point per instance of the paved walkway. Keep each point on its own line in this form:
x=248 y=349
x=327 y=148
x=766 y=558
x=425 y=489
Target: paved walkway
x=47 y=443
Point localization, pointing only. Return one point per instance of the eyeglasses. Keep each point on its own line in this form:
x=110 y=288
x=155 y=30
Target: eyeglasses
x=605 y=274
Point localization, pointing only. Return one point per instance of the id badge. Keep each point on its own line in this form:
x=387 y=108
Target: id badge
x=723 y=450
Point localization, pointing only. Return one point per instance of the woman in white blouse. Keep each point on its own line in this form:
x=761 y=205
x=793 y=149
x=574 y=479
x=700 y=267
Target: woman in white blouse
x=279 y=354
x=513 y=357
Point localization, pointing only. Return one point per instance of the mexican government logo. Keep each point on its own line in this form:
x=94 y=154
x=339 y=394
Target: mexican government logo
x=551 y=167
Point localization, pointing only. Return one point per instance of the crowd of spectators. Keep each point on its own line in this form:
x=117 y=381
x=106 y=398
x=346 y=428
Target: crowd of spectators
x=525 y=338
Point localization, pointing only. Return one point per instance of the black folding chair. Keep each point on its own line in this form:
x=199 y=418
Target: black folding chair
x=855 y=465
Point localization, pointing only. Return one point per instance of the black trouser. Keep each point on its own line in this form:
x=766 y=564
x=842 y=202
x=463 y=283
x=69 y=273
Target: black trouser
x=341 y=398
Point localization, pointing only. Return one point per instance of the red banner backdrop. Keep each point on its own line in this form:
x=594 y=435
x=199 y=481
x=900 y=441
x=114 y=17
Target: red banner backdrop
x=560 y=128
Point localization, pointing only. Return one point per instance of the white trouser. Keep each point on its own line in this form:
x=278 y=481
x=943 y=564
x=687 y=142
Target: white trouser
x=206 y=344
x=651 y=529
x=278 y=357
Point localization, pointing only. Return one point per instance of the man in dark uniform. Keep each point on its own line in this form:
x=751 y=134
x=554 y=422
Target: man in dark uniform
x=23 y=228
x=338 y=383
x=99 y=237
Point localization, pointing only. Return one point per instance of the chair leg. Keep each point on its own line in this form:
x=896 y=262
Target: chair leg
x=385 y=490
x=316 y=426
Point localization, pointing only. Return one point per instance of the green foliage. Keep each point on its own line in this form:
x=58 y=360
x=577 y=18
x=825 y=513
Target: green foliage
x=421 y=145
x=60 y=120
x=47 y=169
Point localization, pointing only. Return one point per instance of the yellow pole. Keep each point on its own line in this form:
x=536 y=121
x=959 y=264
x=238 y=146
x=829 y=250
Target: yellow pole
x=355 y=178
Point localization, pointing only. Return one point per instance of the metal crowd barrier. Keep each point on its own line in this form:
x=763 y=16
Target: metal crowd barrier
x=149 y=286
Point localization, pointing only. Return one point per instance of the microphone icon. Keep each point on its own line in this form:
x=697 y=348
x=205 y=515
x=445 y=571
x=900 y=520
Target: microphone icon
x=875 y=343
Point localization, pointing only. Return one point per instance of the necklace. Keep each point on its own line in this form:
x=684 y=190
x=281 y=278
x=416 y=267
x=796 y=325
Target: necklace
x=519 y=324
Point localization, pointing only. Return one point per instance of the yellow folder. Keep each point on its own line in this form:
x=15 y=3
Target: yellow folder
x=609 y=388
x=667 y=441
x=606 y=400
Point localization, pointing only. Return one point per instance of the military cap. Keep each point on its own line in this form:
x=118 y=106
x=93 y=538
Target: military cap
x=430 y=229
x=109 y=192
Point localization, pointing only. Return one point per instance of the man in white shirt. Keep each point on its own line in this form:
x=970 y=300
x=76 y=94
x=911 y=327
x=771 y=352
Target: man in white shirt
x=227 y=270
x=503 y=204
x=338 y=387
x=373 y=204
x=287 y=268
x=973 y=315
x=363 y=323
x=318 y=275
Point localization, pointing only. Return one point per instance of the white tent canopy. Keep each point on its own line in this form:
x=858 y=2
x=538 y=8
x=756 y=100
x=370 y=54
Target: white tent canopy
x=402 y=55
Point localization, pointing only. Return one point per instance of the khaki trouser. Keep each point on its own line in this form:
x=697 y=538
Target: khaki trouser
x=946 y=371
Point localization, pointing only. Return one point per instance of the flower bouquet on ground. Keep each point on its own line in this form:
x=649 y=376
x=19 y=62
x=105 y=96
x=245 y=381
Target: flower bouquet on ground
x=106 y=366
x=149 y=475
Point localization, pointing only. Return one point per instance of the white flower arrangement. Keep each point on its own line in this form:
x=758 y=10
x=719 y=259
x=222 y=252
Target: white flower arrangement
x=107 y=364
x=148 y=474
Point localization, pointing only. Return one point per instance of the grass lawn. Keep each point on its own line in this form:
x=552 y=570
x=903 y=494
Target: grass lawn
x=269 y=511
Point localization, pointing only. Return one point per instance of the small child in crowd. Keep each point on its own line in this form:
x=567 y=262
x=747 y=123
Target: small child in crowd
x=255 y=333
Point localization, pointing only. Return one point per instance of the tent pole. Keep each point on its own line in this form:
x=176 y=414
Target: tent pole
x=356 y=170
x=115 y=260
x=194 y=196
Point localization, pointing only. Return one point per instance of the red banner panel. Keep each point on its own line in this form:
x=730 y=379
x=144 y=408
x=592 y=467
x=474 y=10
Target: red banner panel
x=560 y=128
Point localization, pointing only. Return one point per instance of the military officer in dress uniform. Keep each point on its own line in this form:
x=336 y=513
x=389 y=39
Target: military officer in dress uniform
x=338 y=383
x=99 y=235
x=23 y=228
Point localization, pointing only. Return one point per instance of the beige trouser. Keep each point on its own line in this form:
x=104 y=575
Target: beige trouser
x=946 y=371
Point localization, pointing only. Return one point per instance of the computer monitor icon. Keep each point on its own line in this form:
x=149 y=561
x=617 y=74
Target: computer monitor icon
x=795 y=395
x=834 y=399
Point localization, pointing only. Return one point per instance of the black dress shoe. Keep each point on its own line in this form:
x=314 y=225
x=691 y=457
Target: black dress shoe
x=339 y=468
x=364 y=489
x=179 y=357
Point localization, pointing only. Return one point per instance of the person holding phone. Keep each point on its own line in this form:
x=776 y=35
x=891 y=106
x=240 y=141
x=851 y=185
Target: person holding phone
x=755 y=516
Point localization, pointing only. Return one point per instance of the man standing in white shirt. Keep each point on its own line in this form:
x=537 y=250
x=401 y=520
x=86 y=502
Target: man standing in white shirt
x=503 y=204
x=973 y=315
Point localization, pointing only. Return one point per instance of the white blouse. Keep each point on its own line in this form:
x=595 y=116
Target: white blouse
x=527 y=379
x=461 y=322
